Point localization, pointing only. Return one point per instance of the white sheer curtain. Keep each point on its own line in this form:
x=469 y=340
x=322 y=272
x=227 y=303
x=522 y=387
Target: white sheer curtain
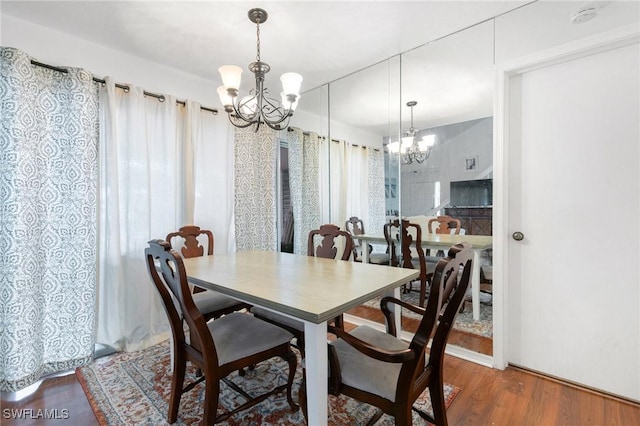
x=304 y=175
x=213 y=176
x=357 y=185
x=48 y=182
x=156 y=176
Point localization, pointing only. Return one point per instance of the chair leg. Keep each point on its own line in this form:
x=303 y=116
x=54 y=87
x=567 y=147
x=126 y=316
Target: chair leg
x=293 y=364
x=302 y=396
x=211 y=394
x=423 y=291
x=403 y=416
x=177 y=382
x=436 y=392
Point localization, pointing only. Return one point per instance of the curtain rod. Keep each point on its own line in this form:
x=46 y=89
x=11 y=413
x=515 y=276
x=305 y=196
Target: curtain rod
x=291 y=129
x=124 y=87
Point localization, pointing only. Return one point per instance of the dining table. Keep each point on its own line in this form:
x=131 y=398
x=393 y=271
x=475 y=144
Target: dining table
x=307 y=288
x=433 y=241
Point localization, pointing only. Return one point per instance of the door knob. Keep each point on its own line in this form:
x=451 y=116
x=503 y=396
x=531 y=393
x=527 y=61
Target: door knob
x=518 y=236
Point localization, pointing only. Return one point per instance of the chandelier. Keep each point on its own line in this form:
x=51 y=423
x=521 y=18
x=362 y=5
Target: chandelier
x=258 y=107
x=411 y=149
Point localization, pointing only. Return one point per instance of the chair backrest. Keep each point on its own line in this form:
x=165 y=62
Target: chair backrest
x=355 y=226
x=169 y=276
x=331 y=238
x=189 y=238
x=444 y=225
x=447 y=291
x=407 y=238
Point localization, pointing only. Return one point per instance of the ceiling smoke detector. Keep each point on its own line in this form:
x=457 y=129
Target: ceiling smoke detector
x=584 y=14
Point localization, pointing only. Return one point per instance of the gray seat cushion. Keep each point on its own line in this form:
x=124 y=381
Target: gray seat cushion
x=280 y=319
x=366 y=373
x=239 y=335
x=211 y=301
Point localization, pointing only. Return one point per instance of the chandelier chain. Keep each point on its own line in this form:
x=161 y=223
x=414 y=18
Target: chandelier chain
x=258 y=40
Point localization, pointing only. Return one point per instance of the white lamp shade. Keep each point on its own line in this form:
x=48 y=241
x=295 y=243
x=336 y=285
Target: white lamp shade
x=427 y=142
x=394 y=147
x=291 y=82
x=231 y=76
x=288 y=105
x=225 y=98
x=407 y=142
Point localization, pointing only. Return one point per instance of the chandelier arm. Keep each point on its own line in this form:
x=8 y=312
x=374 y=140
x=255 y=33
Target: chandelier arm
x=240 y=124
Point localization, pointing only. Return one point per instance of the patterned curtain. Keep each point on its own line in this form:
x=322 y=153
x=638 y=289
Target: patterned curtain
x=255 y=189
x=48 y=184
x=304 y=175
x=377 y=216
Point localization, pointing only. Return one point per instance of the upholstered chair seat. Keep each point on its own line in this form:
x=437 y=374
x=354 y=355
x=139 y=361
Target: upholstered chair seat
x=238 y=335
x=366 y=373
x=212 y=301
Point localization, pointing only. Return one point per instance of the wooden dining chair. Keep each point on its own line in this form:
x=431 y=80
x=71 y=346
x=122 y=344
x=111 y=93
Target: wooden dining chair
x=440 y=225
x=355 y=226
x=404 y=241
x=323 y=242
x=380 y=369
x=218 y=348
x=444 y=225
x=210 y=303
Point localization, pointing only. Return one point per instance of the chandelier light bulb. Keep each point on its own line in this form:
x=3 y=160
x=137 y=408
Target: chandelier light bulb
x=291 y=82
x=394 y=147
x=225 y=98
x=286 y=101
x=231 y=76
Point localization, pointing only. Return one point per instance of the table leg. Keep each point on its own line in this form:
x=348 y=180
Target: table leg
x=395 y=309
x=364 y=250
x=475 y=285
x=317 y=367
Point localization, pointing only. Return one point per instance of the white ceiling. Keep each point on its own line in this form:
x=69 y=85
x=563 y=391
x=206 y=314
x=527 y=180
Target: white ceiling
x=322 y=40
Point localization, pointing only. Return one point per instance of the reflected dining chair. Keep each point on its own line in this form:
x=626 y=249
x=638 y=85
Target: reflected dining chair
x=334 y=243
x=210 y=303
x=355 y=226
x=444 y=225
x=404 y=241
x=218 y=348
x=380 y=369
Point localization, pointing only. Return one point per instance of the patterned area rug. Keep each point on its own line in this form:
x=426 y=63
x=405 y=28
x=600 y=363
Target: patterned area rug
x=133 y=389
x=464 y=320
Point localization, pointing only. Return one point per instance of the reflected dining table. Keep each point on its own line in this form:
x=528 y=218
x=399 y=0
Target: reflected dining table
x=433 y=241
x=310 y=289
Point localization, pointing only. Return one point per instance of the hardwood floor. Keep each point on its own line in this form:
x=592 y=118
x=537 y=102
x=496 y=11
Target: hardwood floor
x=488 y=397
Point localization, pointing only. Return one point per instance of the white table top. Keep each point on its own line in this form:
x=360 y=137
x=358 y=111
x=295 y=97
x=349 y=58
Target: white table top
x=444 y=240
x=309 y=288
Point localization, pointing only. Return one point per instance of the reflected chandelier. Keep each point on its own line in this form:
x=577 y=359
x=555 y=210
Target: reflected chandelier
x=410 y=149
x=257 y=107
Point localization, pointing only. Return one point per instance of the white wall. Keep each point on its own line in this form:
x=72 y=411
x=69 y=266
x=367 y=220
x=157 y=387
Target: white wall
x=455 y=143
x=59 y=49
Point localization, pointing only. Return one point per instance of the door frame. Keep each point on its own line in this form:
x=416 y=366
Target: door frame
x=602 y=42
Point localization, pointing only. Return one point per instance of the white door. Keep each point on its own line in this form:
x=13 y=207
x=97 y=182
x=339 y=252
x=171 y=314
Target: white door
x=573 y=182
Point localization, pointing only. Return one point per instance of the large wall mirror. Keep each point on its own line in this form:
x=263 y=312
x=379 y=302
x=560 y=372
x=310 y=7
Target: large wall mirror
x=443 y=91
x=364 y=111
x=447 y=101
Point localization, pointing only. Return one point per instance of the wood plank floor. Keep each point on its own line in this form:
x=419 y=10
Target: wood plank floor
x=488 y=397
